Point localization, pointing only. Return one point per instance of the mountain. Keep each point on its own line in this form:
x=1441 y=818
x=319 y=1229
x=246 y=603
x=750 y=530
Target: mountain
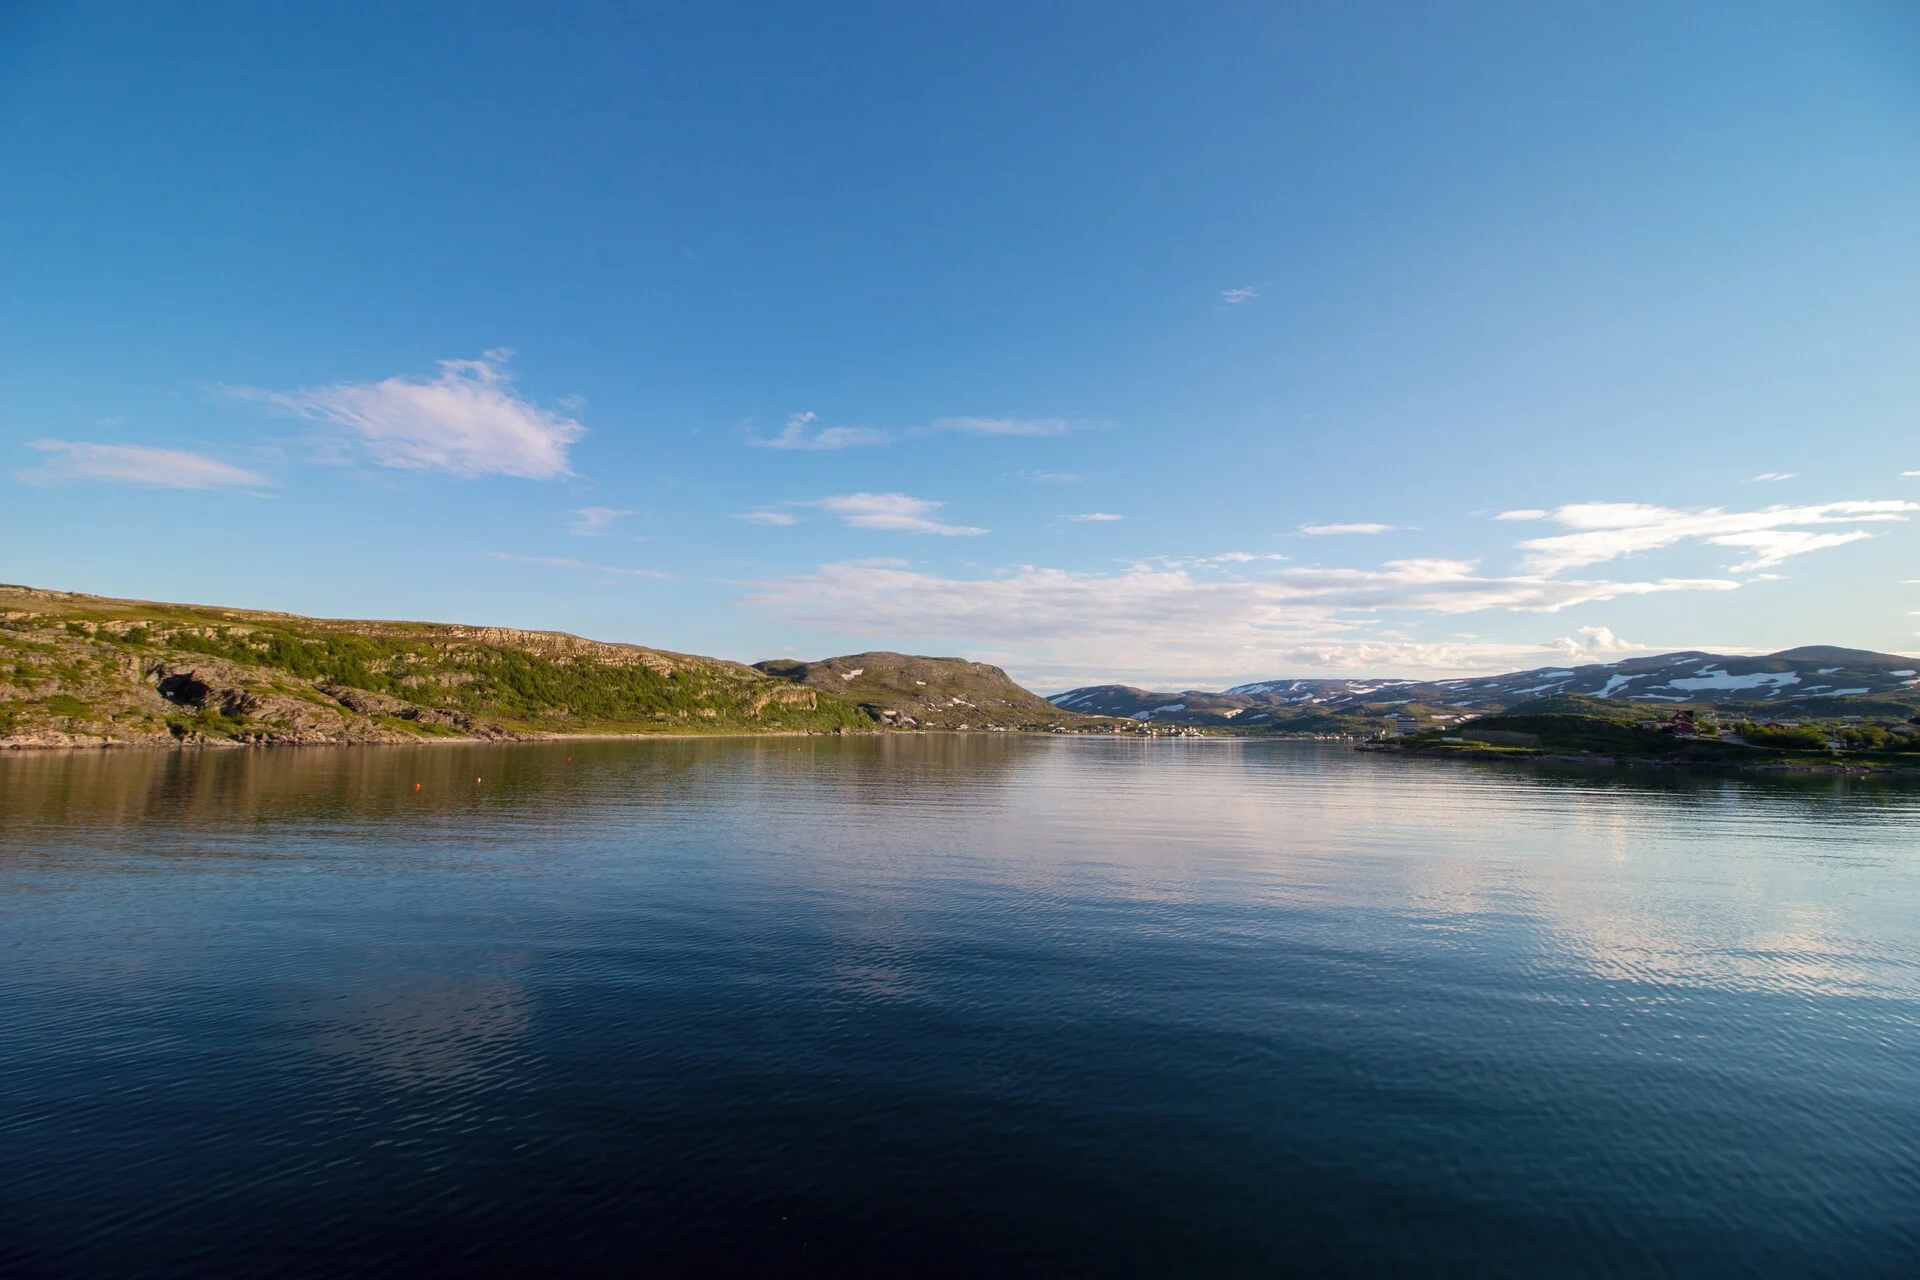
x=79 y=669
x=928 y=693
x=1816 y=680
x=1196 y=706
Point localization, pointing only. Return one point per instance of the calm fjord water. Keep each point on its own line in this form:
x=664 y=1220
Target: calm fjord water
x=951 y=1004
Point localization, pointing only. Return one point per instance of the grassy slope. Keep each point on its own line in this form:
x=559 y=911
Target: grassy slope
x=938 y=693
x=84 y=668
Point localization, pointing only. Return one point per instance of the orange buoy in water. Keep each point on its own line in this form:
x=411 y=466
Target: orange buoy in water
x=416 y=786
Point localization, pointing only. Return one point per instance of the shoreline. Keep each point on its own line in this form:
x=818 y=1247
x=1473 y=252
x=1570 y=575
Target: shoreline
x=1836 y=768
x=438 y=740
x=514 y=739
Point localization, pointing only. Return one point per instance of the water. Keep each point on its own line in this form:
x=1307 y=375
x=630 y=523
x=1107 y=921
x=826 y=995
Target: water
x=974 y=1004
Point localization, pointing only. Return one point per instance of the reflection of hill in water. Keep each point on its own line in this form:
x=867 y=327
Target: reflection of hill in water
x=518 y=783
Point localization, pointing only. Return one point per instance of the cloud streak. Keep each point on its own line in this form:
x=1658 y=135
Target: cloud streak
x=78 y=460
x=594 y=522
x=1008 y=426
x=893 y=512
x=1335 y=530
x=800 y=433
x=466 y=421
x=1604 y=531
x=1093 y=517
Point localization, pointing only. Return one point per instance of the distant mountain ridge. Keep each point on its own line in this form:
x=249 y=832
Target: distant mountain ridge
x=1812 y=679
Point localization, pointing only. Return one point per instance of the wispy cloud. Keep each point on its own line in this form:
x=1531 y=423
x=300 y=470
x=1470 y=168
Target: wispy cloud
x=1331 y=530
x=466 y=421
x=766 y=517
x=593 y=522
x=1225 y=559
x=1910 y=473
x=1054 y=477
x=1155 y=622
x=1092 y=517
x=896 y=512
x=800 y=433
x=567 y=562
x=1240 y=614
x=1242 y=294
x=1009 y=426
x=1524 y=513
x=1609 y=530
x=79 y=460
x=1768 y=476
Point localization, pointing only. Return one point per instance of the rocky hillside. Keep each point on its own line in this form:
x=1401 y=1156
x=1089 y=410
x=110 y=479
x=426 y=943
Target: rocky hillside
x=929 y=693
x=1813 y=681
x=78 y=670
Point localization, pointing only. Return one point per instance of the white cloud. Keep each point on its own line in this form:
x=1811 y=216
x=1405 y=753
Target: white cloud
x=1243 y=294
x=766 y=517
x=1204 y=562
x=798 y=434
x=593 y=522
x=1595 y=644
x=895 y=512
x=565 y=562
x=466 y=421
x=69 y=460
x=1609 y=530
x=1092 y=516
x=1766 y=476
x=1524 y=513
x=1054 y=477
x=1154 y=623
x=1008 y=426
x=1330 y=530
x=1910 y=473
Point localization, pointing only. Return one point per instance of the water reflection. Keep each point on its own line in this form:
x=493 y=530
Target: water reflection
x=1147 y=1005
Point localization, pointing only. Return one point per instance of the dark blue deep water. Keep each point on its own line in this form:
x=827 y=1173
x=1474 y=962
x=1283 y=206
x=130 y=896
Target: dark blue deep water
x=951 y=1005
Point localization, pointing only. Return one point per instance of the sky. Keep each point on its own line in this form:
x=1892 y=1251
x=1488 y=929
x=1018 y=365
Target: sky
x=1172 y=345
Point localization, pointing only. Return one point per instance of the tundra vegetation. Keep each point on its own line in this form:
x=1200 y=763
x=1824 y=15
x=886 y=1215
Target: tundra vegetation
x=77 y=670
x=1571 y=725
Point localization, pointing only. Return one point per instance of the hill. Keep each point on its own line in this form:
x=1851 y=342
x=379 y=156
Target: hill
x=929 y=693
x=1813 y=681
x=1573 y=724
x=79 y=670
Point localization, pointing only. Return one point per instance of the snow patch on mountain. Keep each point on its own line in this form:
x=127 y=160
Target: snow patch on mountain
x=1710 y=678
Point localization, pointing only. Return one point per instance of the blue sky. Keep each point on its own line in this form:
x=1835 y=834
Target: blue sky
x=1178 y=345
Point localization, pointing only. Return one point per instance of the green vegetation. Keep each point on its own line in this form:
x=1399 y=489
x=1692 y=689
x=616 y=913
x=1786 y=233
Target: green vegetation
x=154 y=672
x=1798 y=738
x=1575 y=725
x=908 y=691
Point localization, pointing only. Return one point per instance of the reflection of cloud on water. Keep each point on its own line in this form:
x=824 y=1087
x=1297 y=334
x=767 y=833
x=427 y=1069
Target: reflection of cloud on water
x=1707 y=883
x=430 y=1029
x=1775 y=947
